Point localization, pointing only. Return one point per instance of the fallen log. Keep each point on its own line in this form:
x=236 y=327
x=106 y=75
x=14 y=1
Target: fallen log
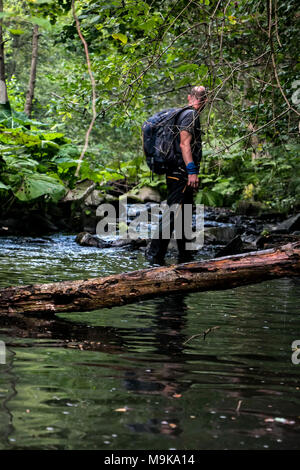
x=214 y=274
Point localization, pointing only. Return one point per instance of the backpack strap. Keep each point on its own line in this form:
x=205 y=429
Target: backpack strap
x=183 y=112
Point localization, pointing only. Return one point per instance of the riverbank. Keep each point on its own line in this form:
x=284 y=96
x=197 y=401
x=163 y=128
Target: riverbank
x=248 y=227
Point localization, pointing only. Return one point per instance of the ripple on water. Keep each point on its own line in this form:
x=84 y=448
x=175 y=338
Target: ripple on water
x=208 y=370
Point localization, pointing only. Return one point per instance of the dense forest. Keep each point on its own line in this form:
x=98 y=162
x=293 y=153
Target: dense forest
x=105 y=345
x=78 y=79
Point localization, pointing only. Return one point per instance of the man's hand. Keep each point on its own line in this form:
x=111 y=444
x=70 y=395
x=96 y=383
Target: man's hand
x=193 y=181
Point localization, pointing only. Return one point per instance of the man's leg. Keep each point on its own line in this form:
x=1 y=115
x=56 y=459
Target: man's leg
x=186 y=229
x=176 y=196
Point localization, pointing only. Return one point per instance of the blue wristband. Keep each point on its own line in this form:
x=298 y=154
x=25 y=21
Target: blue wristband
x=192 y=169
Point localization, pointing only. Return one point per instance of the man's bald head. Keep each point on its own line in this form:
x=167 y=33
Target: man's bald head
x=197 y=97
x=198 y=91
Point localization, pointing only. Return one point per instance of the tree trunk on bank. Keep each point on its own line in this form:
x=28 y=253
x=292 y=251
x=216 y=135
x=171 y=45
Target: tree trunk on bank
x=4 y=104
x=32 y=78
x=91 y=294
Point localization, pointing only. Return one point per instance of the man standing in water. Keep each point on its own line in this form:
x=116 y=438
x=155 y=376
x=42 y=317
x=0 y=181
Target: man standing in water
x=182 y=179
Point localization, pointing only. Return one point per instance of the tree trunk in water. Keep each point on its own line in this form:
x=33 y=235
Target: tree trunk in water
x=4 y=104
x=91 y=294
x=32 y=78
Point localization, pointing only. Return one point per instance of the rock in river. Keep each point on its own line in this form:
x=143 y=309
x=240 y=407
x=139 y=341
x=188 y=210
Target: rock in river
x=87 y=239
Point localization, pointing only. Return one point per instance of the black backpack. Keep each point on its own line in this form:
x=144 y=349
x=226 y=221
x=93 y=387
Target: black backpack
x=159 y=134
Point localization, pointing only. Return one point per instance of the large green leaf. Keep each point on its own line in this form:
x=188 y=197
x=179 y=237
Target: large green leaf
x=42 y=22
x=36 y=184
x=19 y=163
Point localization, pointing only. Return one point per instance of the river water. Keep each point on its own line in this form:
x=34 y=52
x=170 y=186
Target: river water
x=209 y=370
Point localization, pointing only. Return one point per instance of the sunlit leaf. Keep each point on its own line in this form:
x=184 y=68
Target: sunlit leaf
x=121 y=37
x=16 y=32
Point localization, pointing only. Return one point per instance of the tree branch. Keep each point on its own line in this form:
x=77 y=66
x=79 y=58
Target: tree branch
x=270 y=26
x=253 y=132
x=93 y=83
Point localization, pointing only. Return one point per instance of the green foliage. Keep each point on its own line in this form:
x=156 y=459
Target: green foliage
x=37 y=163
x=271 y=177
x=26 y=169
x=134 y=171
x=144 y=56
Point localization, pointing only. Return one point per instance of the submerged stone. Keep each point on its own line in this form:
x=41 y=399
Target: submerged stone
x=87 y=239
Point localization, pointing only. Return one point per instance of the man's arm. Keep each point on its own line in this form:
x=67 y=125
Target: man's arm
x=185 y=146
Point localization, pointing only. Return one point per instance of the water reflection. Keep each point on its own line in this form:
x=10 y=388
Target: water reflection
x=169 y=322
x=165 y=334
x=142 y=375
x=55 y=332
x=6 y=421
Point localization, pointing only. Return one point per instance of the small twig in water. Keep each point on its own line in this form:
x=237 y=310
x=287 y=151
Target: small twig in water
x=209 y=330
x=237 y=410
x=204 y=334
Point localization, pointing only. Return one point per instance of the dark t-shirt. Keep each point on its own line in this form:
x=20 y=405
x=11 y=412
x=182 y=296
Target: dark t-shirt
x=189 y=121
